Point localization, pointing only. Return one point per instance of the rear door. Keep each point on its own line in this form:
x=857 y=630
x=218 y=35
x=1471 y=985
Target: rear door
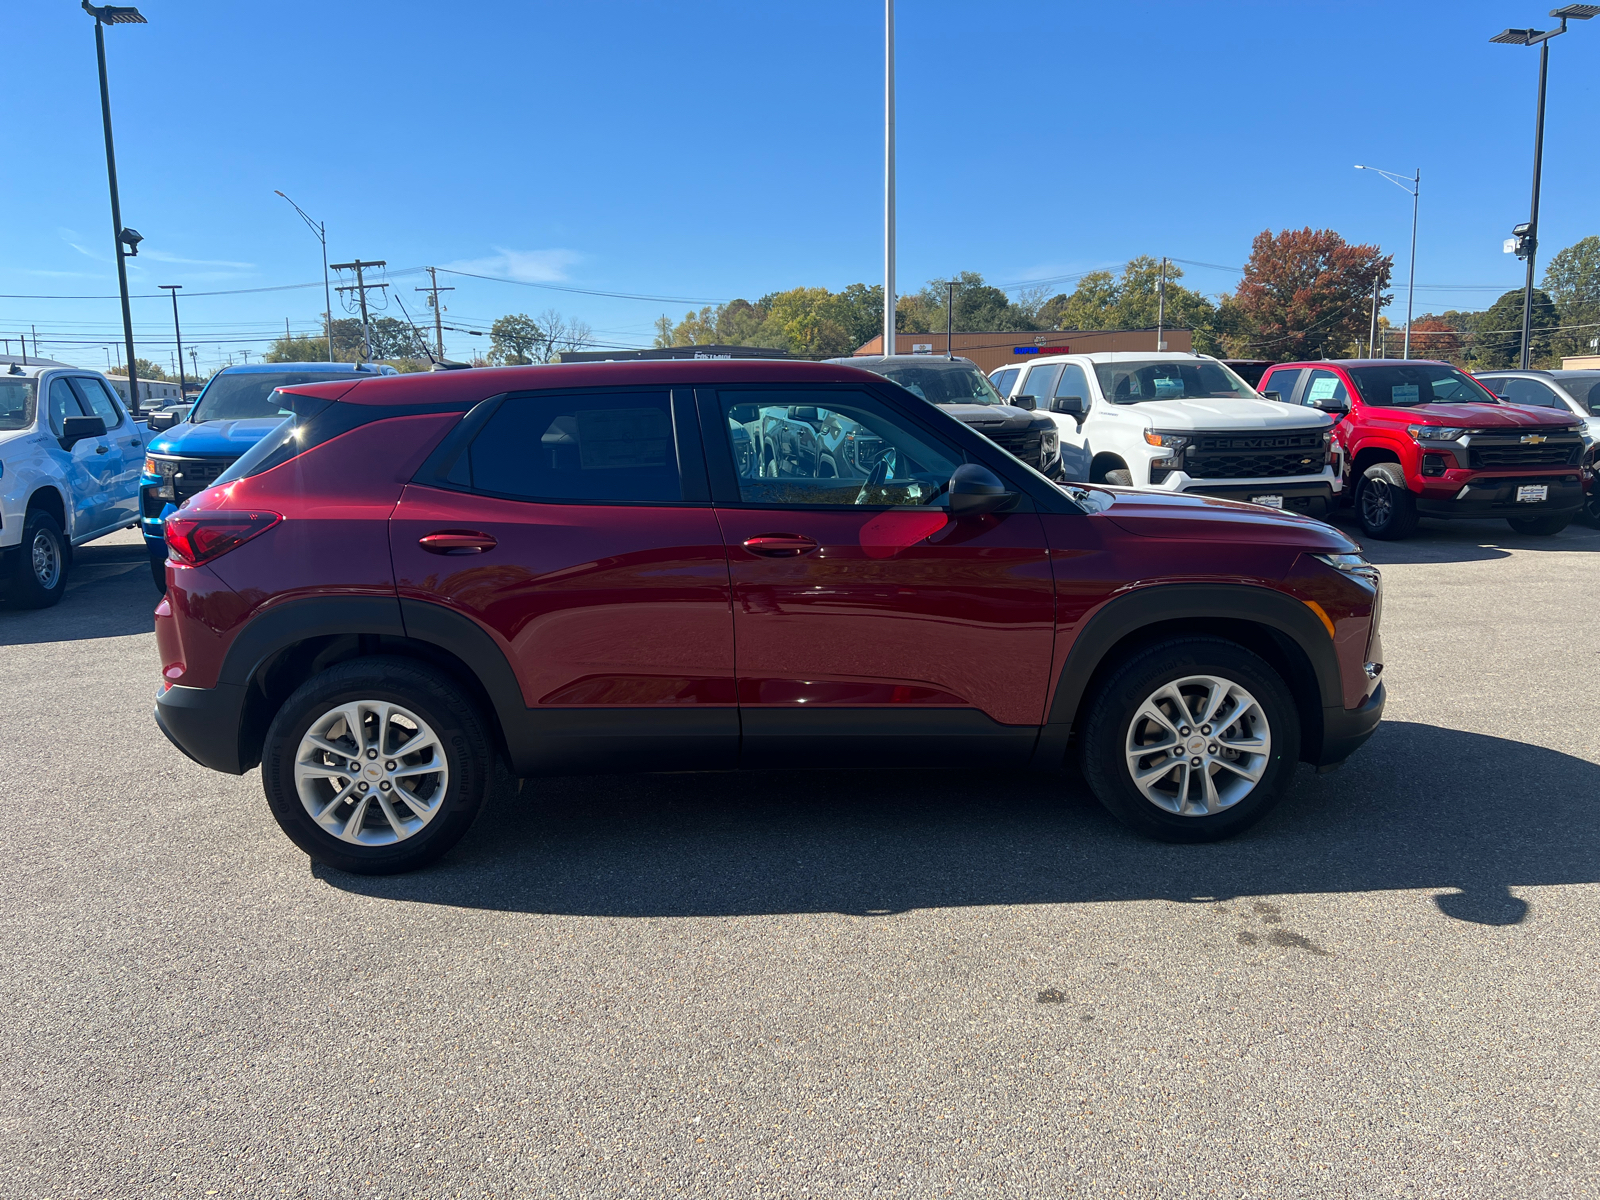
x=872 y=628
x=576 y=529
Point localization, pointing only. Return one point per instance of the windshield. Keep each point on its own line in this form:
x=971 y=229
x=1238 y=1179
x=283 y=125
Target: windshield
x=17 y=397
x=955 y=384
x=249 y=395
x=1138 y=382
x=1402 y=385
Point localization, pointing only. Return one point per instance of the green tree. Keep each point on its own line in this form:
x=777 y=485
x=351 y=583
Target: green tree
x=298 y=349
x=1305 y=294
x=1572 y=280
x=515 y=339
x=145 y=368
x=1498 y=341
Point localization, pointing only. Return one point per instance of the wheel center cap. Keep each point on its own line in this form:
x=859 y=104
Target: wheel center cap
x=1197 y=745
x=373 y=771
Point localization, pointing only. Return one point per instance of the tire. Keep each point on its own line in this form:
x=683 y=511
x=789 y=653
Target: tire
x=43 y=561
x=1385 y=506
x=1120 y=478
x=1183 y=805
x=158 y=572
x=1591 y=510
x=1540 y=526
x=447 y=787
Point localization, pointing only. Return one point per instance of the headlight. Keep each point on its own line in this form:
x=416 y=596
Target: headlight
x=1171 y=441
x=1435 y=433
x=1351 y=564
x=1049 y=439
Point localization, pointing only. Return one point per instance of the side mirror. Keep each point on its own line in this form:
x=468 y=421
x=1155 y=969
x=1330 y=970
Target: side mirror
x=1068 y=404
x=975 y=490
x=1029 y=403
x=159 y=420
x=1278 y=396
x=77 y=429
x=1332 y=405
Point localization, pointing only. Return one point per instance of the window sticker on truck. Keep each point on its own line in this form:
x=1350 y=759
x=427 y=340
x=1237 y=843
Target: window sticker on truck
x=1323 y=389
x=1403 y=393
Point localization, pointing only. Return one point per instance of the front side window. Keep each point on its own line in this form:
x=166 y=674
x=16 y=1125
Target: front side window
x=18 y=399
x=1324 y=385
x=250 y=395
x=613 y=448
x=1586 y=391
x=63 y=404
x=1528 y=391
x=98 y=399
x=957 y=383
x=806 y=449
x=1404 y=384
x=1041 y=381
x=1073 y=382
x=1003 y=379
x=1137 y=382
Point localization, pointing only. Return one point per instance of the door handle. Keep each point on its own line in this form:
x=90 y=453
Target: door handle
x=102 y=449
x=135 y=442
x=456 y=541
x=780 y=545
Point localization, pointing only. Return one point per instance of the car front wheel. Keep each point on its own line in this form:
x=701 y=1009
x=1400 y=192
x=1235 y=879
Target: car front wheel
x=377 y=765
x=1191 y=740
x=1384 y=504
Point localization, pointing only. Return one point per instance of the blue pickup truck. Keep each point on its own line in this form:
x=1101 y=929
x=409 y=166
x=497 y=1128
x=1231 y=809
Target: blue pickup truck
x=234 y=412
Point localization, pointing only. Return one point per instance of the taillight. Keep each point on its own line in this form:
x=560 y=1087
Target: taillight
x=198 y=538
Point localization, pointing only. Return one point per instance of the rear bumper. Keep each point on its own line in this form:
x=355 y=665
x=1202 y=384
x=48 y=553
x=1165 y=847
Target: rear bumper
x=1345 y=729
x=1494 y=497
x=204 y=723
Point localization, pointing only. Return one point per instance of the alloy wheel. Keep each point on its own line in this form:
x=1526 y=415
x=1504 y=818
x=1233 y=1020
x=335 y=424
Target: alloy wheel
x=1376 y=503
x=371 y=773
x=46 y=556
x=1198 y=745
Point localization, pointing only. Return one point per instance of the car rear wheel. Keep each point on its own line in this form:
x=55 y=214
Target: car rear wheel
x=377 y=765
x=1540 y=526
x=1384 y=504
x=43 y=558
x=1191 y=740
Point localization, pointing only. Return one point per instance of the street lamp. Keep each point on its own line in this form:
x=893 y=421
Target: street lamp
x=172 y=288
x=888 y=176
x=127 y=240
x=321 y=231
x=1526 y=243
x=1400 y=182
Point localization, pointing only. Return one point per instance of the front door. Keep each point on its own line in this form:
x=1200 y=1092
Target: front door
x=869 y=624
x=85 y=464
x=576 y=530
x=124 y=457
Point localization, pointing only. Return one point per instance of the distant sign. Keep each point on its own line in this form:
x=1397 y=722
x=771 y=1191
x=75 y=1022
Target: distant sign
x=1041 y=349
x=922 y=348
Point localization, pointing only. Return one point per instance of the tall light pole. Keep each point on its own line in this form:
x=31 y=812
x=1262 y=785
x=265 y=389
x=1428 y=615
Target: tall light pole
x=177 y=333
x=1401 y=182
x=126 y=239
x=888 y=176
x=1526 y=240
x=950 y=317
x=321 y=231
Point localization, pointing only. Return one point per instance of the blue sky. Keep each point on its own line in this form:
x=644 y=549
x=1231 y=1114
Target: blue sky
x=710 y=150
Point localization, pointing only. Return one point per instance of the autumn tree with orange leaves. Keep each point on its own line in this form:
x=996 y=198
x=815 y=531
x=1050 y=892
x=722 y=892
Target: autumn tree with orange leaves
x=1306 y=294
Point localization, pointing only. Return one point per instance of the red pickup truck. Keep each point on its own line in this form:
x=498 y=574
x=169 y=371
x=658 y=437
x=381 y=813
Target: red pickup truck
x=1424 y=439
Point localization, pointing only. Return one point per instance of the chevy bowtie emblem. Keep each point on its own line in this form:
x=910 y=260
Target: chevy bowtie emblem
x=1533 y=439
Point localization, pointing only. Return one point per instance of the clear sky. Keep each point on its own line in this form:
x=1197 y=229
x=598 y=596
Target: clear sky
x=707 y=150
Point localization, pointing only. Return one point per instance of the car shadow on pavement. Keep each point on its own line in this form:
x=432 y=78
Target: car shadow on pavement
x=1463 y=814
x=1466 y=541
x=109 y=594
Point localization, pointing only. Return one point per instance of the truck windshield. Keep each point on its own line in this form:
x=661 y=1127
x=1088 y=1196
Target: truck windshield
x=1404 y=384
x=1137 y=382
x=17 y=398
x=945 y=385
x=248 y=395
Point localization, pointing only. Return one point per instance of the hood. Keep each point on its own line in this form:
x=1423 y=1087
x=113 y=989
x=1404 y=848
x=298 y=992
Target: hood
x=1180 y=415
x=217 y=439
x=1483 y=416
x=993 y=418
x=1189 y=517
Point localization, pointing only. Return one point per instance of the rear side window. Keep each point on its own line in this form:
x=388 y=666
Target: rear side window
x=608 y=448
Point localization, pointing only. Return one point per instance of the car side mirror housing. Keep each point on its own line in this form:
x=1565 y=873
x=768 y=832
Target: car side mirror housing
x=77 y=429
x=1332 y=405
x=975 y=490
x=1068 y=404
x=1278 y=396
x=161 y=420
x=1029 y=403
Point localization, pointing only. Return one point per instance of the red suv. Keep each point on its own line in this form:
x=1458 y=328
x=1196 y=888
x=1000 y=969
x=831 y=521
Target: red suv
x=600 y=567
x=1423 y=439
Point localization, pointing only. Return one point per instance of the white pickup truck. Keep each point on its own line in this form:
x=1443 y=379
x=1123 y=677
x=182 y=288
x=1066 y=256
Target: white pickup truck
x=70 y=457
x=1183 y=423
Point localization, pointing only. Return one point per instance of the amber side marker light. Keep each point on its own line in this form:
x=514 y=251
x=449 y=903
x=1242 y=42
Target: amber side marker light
x=1322 y=615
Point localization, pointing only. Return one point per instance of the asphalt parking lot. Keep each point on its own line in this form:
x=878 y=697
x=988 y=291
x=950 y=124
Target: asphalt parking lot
x=825 y=984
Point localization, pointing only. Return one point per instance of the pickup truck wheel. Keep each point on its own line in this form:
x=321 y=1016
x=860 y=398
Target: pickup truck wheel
x=1540 y=526
x=158 y=572
x=1384 y=504
x=43 y=558
x=376 y=765
x=1191 y=740
x=1120 y=478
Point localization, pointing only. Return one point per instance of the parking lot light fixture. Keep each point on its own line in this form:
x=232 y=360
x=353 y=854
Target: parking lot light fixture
x=1529 y=241
x=126 y=240
x=1411 y=185
x=320 y=230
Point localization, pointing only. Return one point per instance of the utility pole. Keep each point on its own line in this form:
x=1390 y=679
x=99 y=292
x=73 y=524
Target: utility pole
x=1372 y=341
x=1161 y=306
x=194 y=361
x=888 y=176
x=438 y=310
x=35 y=330
x=176 y=333
x=360 y=288
x=949 y=317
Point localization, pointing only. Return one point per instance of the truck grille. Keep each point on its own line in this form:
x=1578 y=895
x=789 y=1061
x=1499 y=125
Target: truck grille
x=1026 y=445
x=1256 y=455
x=1559 y=451
x=183 y=477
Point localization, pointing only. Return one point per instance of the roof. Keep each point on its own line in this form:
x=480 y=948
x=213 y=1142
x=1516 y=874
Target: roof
x=363 y=369
x=871 y=362
x=33 y=360
x=1120 y=356
x=479 y=383
x=1361 y=362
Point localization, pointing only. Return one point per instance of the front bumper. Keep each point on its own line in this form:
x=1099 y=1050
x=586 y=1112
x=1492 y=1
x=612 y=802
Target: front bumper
x=1494 y=496
x=204 y=723
x=1344 y=730
x=1310 y=494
